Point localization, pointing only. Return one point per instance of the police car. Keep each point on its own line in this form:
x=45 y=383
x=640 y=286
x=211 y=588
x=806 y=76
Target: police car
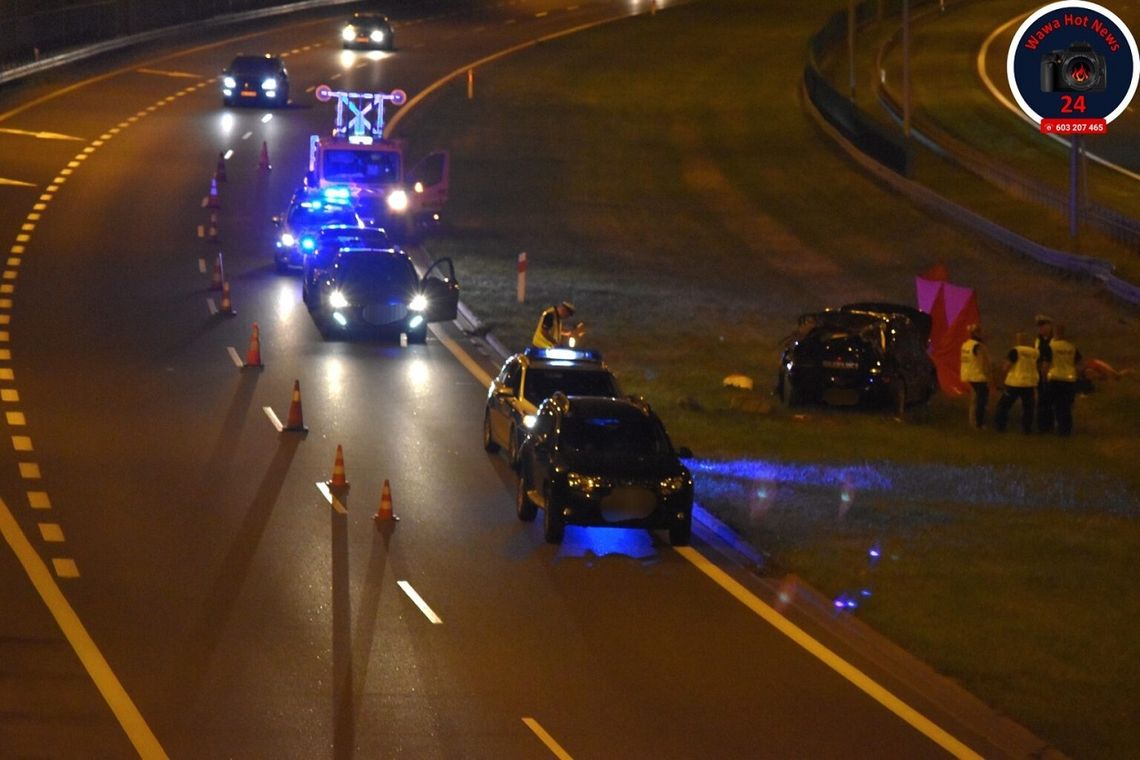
x=377 y=290
x=526 y=379
x=298 y=229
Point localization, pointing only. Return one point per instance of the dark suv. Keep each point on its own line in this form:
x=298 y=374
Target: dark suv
x=603 y=462
x=526 y=379
x=377 y=290
x=861 y=353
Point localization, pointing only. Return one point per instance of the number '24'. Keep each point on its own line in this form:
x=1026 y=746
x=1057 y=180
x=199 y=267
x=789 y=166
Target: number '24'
x=1069 y=104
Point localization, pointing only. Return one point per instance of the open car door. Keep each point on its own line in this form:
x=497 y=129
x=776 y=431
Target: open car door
x=430 y=180
x=441 y=289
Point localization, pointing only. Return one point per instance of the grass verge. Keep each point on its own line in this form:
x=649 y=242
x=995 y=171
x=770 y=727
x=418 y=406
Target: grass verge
x=657 y=173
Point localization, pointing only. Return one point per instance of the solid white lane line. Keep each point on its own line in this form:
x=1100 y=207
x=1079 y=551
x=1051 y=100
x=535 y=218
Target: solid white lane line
x=234 y=356
x=419 y=602
x=554 y=747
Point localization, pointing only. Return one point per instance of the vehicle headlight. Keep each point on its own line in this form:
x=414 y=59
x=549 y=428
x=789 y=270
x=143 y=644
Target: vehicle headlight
x=377 y=35
x=667 y=486
x=269 y=84
x=347 y=34
x=586 y=483
x=288 y=240
x=529 y=420
x=337 y=300
x=419 y=302
x=398 y=200
x=418 y=187
x=229 y=83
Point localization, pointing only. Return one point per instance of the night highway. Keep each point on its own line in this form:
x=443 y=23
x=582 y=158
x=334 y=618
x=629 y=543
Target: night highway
x=174 y=580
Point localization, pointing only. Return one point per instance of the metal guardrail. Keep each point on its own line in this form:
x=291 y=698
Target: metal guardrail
x=832 y=123
x=1117 y=226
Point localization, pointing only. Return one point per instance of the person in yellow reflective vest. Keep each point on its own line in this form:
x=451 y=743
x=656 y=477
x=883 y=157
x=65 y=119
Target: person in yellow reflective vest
x=1065 y=368
x=550 y=331
x=975 y=370
x=1021 y=378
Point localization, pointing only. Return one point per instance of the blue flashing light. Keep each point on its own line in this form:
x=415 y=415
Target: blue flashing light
x=308 y=243
x=416 y=321
x=337 y=194
x=563 y=354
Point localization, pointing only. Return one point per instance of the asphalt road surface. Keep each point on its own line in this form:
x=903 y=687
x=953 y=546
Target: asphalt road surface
x=174 y=582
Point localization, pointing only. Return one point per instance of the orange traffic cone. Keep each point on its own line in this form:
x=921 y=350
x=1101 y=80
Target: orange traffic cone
x=253 y=355
x=384 y=512
x=212 y=199
x=263 y=161
x=295 y=423
x=227 y=306
x=212 y=228
x=338 y=479
x=220 y=171
x=219 y=275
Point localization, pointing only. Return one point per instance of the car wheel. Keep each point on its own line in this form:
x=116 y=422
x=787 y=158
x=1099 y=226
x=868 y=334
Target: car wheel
x=282 y=266
x=553 y=528
x=788 y=392
x=899 y=401
x=680 y=533
x=524 y=507
x=489 y=444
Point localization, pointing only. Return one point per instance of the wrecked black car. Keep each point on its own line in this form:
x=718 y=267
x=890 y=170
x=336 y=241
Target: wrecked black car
x=865 y=354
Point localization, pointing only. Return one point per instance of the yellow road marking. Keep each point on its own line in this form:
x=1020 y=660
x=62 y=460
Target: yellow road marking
x=38 y=135
x=140 y=735
x=554 y=747
x=65 y=568
x=51 y=532
x=463 y=357
x=862 y=681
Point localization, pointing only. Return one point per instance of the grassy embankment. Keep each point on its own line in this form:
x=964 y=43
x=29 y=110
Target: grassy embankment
x=662 y=173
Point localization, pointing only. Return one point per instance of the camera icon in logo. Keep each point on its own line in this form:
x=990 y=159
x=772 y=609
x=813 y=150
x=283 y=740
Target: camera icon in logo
x=1076 y=69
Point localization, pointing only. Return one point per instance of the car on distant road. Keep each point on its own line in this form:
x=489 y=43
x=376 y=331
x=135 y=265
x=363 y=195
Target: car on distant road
x=256 y=80
x=603 y=462
x=299 y=228
x=859 y=354
x=368 y=30
x=526 y=379
x=377 y=290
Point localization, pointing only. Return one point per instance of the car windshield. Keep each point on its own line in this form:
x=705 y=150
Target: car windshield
x=619 y=431
x=541 y=383
x=379 y=271
x=316 y=215
x=251 y=66
x=362 y=166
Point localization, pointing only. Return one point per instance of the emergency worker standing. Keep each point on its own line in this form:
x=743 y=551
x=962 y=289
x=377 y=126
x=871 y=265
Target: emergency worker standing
x=550 y=333
x=1021 y=379
x=1044 y=402
x=975 y=370
x=1064 y=369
